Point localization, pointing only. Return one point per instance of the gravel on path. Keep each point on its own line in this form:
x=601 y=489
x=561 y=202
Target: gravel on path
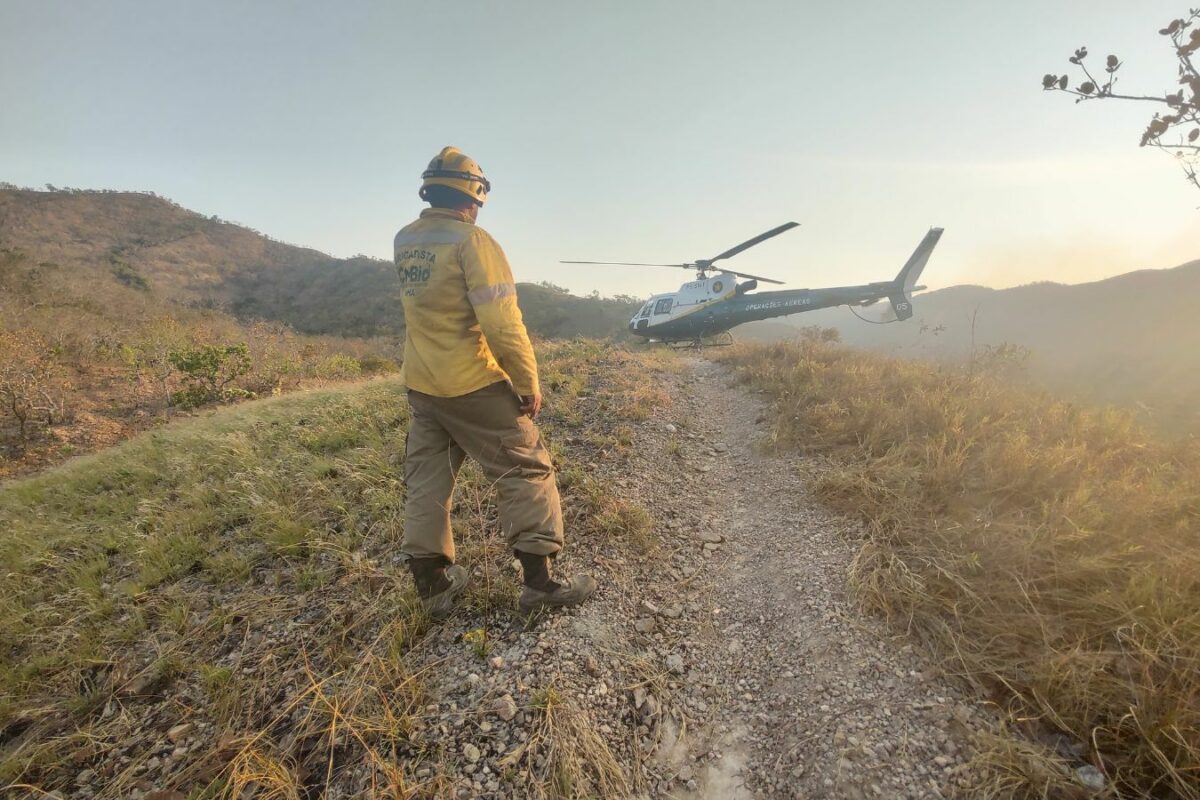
x=781 y=687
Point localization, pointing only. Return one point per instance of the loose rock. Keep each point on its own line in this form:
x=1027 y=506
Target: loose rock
x=505 y=708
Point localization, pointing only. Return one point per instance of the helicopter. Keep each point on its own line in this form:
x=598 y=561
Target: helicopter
x=703 y=311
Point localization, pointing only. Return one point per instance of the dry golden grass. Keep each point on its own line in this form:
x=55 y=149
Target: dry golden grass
x=565 y=757
x=1050 y=552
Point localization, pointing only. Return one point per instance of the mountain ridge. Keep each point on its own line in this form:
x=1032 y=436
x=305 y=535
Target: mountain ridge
x=1129 y=339
x=208 y=262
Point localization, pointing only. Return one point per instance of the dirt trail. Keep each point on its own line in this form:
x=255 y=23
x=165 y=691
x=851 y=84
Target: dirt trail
x=785 y=688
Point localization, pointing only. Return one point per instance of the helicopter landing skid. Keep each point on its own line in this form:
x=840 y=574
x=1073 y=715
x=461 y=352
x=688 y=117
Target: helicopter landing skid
x=720 y=340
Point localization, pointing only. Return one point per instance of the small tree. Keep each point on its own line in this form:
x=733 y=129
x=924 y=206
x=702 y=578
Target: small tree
x=31 y=384
x=275 y=356
x=149 y=354
x=208 y=372
x=1176 y=129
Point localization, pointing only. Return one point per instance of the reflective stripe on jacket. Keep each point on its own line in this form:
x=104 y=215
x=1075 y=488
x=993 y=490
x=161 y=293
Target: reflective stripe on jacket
x=464 y=329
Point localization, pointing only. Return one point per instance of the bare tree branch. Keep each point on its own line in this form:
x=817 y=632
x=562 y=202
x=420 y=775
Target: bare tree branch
x=1183 y=105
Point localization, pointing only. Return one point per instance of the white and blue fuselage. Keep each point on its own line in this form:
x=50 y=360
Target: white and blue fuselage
x=716 y=303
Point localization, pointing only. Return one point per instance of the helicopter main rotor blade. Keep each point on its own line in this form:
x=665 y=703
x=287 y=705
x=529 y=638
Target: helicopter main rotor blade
x=630 y=264
x=762 y=237
x=752 y=277
x=685 y=266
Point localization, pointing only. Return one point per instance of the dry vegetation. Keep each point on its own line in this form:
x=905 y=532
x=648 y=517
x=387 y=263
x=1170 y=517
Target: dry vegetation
x=152 y=244
x=85 y=360
x=149 y=243
x=216 y=607
x=1050 y=552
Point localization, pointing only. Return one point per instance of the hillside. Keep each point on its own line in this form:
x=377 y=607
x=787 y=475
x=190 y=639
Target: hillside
x=216 y=610
x=86 y=359
x=119 y=309
x=197 y=260
x=1130 y=340
x=200 y=261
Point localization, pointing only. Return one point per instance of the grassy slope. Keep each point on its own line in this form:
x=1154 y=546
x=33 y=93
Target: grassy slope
x=237 y=572
x=1050 y=552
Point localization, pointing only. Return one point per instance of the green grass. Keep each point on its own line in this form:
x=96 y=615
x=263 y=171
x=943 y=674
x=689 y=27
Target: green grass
x=193 y=501
x=221 y=560
x=1050 y=552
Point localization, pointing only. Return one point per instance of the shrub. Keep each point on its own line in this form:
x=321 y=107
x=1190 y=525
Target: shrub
x=208 y=372
x=338 y=367
x=149 y=353
x=128 y=275
x=274 y=353
x=376 y=364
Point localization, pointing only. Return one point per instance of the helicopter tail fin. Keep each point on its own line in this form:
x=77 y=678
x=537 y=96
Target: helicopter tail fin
x=906 y=281
x=902 y=288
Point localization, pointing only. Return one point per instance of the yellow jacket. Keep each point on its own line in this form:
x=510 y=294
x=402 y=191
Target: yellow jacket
x=464 y=329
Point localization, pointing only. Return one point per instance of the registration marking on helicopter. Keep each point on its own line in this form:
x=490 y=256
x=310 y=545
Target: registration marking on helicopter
x=801 y=301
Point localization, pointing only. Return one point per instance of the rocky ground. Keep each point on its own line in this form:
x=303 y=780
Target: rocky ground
x=792 y=692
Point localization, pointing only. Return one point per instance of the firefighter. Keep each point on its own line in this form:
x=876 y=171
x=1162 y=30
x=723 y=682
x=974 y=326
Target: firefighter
x=473 y=391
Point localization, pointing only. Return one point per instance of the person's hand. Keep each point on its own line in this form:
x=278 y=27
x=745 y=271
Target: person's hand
x=531 y=404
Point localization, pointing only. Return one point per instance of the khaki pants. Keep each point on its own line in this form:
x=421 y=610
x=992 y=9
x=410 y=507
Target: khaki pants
x=488 y=426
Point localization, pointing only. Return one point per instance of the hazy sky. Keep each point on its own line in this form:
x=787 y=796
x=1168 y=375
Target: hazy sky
x=621 y=130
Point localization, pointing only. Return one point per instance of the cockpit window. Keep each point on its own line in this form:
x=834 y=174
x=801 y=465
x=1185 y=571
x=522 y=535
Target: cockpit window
x=646 y=310
x=663 y=306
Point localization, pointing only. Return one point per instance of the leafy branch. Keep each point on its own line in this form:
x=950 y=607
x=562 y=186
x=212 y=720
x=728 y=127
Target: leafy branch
x=1174 y=130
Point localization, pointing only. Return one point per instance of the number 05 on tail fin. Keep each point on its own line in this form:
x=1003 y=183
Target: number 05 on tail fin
x=910 y=273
